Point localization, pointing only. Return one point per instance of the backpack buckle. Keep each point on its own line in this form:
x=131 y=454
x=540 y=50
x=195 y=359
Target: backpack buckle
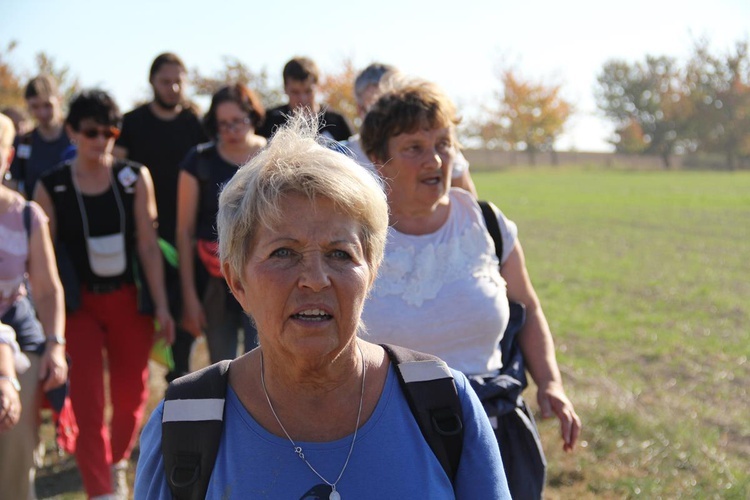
x=446 y=422
x=186 y=470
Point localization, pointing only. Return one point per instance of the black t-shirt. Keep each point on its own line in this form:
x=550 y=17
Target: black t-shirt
x=332 y=124
x=212 y=172
x=161 y=145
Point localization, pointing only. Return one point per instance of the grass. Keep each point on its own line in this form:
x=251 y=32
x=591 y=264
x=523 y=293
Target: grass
x=645 y=279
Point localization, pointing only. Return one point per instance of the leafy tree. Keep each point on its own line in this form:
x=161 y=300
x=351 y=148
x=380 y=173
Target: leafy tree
x=68 y=83
x=13 y=81
x=11 y=88
x=528 y=115
x=337 y=91
x=650 y=105
x=720 y=91
x=235 y=71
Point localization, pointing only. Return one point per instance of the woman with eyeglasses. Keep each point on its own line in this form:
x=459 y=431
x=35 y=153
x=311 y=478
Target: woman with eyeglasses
x=208 y=307
x=102 y=217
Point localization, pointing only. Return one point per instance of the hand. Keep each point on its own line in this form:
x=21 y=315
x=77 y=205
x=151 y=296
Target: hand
x=553 y=401
x=10 y=406
x=53 y=370
x=193 y=317
x=165 y=324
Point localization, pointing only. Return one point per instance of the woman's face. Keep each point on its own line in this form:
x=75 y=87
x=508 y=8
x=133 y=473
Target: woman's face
x=232 y=123
x=93 y=140
x=418 y=171
x=306 y=281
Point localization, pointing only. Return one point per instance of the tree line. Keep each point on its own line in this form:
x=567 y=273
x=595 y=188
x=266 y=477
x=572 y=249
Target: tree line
x=658 y=105
x=663 y=106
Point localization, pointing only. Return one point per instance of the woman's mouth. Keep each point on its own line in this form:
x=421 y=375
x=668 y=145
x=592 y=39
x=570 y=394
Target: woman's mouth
x=432 y=181
x=312 y=315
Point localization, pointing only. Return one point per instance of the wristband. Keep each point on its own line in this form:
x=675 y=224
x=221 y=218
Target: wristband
x=13 y=381
x=56 y=339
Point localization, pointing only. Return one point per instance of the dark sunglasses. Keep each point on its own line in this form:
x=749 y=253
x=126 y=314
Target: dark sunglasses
x=107 y=133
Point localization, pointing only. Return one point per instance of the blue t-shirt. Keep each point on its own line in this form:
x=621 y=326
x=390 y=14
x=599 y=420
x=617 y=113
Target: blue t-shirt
x=35 y=156
x=390 y=459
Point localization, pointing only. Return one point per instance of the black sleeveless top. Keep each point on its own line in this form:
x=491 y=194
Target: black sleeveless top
x=103 y=217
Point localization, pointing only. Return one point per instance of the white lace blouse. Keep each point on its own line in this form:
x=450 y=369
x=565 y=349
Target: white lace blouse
x=442 y=293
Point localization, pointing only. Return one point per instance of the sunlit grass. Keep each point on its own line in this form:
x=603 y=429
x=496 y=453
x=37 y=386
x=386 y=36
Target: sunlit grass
x=645 y=279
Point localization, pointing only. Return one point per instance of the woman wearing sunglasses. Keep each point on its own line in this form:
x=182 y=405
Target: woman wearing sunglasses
x=102 y=217
x=209 y=308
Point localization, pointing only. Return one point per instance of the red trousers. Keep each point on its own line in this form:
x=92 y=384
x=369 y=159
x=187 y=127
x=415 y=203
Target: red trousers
x=107 y=324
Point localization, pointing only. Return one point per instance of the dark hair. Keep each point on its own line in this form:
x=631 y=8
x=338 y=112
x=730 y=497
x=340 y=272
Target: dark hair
x=95 y=104
x=409 y=106
x=301 y=69
x=245 y=98
x=161 y=60
x=41 y=86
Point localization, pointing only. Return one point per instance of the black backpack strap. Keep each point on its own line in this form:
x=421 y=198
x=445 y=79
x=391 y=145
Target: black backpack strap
x=203 y=167
x=27 y=220
x=25 y=140
x=490 y=220
x=431 y=392
x=191 y=426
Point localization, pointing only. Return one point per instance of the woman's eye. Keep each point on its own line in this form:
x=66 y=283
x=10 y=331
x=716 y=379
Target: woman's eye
x=444 y=145
x=282 y=253
x=340 y=255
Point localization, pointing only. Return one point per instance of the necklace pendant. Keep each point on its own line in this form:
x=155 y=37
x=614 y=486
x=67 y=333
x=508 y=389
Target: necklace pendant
x=334 y=495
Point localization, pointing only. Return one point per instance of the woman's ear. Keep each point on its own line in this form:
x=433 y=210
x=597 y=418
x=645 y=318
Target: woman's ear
x=235 y=282
x=69 y=131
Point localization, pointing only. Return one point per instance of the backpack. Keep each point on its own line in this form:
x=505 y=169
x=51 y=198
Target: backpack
x=513 y=422
x=194 y=411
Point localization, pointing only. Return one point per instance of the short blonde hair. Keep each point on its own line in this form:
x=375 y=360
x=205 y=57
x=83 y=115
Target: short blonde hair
x=297 y=161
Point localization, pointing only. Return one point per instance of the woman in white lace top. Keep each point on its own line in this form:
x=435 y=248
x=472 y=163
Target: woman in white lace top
x=440 y=289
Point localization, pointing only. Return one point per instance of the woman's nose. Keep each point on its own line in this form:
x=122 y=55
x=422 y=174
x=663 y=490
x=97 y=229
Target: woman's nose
x=434 y=160
x=314 y=274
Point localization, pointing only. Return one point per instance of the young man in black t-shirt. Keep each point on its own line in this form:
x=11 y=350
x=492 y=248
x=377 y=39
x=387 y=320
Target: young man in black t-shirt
x=159 y=134
x=300 y=84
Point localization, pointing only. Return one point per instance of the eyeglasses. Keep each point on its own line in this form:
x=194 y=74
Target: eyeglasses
x=233 y=125
x=107 y=133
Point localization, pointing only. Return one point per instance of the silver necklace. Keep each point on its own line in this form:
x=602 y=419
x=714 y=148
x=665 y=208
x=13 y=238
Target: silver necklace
x=335 y=495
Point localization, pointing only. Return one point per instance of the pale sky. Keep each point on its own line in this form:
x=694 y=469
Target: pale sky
x=455 y=44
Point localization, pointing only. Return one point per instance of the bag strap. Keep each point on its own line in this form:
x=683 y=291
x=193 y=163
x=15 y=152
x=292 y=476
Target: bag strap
x=26 y=216
x=490 y=220
x=25 y=140
x=191 y=426
x=431 y=393
x=27 y=219
x=203 y=167
x=509 y=346
x=189 y=447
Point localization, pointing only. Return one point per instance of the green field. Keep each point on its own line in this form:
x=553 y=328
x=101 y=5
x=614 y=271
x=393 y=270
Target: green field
x=645 y=279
